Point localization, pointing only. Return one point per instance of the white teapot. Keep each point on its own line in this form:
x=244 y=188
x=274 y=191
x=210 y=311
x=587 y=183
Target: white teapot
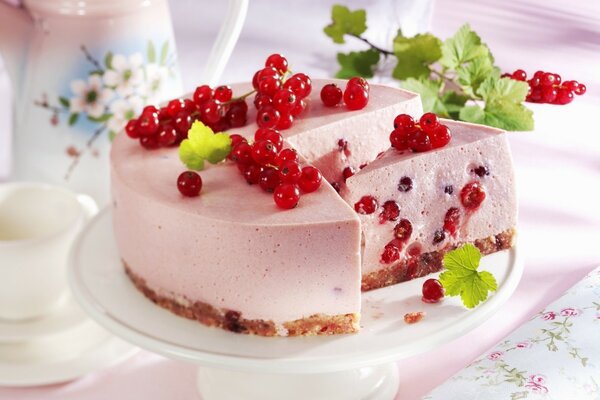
x=80 y=69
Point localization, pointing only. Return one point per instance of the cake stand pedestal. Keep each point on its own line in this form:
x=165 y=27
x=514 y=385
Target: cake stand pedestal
x=233 y=366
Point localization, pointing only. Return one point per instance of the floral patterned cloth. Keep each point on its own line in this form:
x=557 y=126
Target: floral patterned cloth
x=555 y=356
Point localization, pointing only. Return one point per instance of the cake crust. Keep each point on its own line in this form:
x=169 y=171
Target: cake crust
x=232 y=320
x=431 y=262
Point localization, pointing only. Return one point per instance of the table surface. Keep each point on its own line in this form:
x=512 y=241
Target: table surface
x=558 y=165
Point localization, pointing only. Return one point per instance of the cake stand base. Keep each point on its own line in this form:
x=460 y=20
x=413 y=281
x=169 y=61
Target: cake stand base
x=378 y=382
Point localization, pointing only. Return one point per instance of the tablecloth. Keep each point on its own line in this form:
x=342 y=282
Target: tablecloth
x=558 y=165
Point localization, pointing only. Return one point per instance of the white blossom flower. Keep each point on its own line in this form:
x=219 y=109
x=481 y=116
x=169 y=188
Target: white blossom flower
x=156 y=75
x=90 y=97
x=125 y=74
x=122 y=111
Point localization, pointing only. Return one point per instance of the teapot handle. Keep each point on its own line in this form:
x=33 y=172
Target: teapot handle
x=225 y=42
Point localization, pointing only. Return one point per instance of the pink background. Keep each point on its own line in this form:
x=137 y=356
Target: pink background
x=558 y=165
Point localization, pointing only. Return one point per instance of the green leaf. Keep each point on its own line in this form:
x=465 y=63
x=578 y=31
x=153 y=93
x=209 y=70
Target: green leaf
x=454 y=102
x=509 y=116
x=164 y=52
x=357 y=63
x=429 y=91
x=463 y=47
x=462 y=278
x=96 y=72
x=100 y=119
x=474 y=114
x=108 y=60
x=504 y=89
x=64 y=102
x=471 y=75
x=151 y=52
x=345 y=22
x=73 y=119
x=111 y=135
x=415 y=54
x=202 y=144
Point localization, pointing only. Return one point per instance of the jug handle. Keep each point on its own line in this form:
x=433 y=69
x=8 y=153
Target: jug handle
x=225 y=42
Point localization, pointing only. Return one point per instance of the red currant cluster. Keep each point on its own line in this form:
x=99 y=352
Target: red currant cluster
x=428 y=134
x=356 y=94
x=169 y=125
x=546 y=87
x=433 y=291
x=275 y=169
x=279 y=100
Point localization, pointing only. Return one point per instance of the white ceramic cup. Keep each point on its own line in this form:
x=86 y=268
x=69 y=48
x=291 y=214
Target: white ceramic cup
x=38 y=224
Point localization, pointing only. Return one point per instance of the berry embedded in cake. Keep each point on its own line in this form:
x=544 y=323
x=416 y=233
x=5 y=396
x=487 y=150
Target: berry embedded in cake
x=415 y=205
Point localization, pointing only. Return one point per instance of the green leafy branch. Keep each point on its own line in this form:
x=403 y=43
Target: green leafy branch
x=456 y=78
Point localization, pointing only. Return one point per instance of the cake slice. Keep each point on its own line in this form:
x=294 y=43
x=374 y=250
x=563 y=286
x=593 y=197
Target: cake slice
x=415 y=207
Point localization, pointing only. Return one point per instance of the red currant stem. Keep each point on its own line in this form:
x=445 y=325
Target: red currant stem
x=88 y=146
x=374 y=47
x=242 y=97
x=91 y=59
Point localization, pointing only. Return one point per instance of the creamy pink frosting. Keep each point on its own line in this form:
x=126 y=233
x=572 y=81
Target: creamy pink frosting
x=232 y=247
x=426 y=204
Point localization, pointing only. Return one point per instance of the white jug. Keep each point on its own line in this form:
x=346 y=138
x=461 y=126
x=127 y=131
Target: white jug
x=80 y=69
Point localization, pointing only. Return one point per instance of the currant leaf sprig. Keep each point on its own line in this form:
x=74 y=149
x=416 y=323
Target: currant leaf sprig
x=456 y=78
x=203 y=144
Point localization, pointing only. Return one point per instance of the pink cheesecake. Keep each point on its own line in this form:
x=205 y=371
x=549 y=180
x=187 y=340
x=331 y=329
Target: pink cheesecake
x=230 y=257
x=415 y=207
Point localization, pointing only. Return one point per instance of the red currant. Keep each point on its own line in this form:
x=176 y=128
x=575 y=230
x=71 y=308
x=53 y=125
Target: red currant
x=261 y=100
x=391 y=253
x=440 y=136
x=348 y=172
x=236 y=139
x=189 y=183
x=429 y=121
x=451 y=220
x=241 y=153
x=472 y=195
x=149 y=142
x=278 y=62
x=580 y=89
x=264 y=73
x=183 y=122
x=549 y=94
x=403 y=230
x=399 y=139
x=391 y=212
x=270 y=134
x=264 y=152
x=211 y=111
x=285 y=121
x=167 y=136
x=287 y=155
x=404 y=122
x=300 y=84
x=267 y=117
x=236 y=115
x=286 y=196
x=356 y=97
x=131 y=129
x=290 y=172
x=147 y=124
x=548 y=79
x=433 y=291
x=269 y=180
x=405 y=184
x=359 y=80
x=366 y=205
x=310 y=180
x=331 y=95
x=298 y=108
x=564 y=96
x=202 y=94
x=519 y=75
x=269 y=85
x=284 y=100
x=223 y=93
x=174 y=107
x=252 y=173
x=419 y=142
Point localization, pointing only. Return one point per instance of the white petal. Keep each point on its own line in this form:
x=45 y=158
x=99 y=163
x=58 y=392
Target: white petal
x=124 y=89
x=105 y=95
x=95 y=110
x=95 y=82
x=136 y=104
x=137 y=77
x=112 y=78
x=119 y=107
x=119 y=63
x=116 y=124
x=76 y=104
x=78 y=86
x=136 y=60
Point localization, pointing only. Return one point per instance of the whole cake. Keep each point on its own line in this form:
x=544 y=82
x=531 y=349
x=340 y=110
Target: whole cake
x=230 y=258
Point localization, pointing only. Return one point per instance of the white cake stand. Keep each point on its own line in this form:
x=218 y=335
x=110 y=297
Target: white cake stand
x=234 y=366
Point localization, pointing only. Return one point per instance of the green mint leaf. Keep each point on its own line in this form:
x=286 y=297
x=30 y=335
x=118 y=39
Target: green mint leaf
x=202 y=144
x=504 y=89
x=151 y=52
x=345 y=22
x=360 y=63
x=164 y=52
x=108 y=60
x=64 y=102
x=429 y=91
x=474 y=114
x=73 y=119
x=463 y=47
x=415 y=54
x=462 y=278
